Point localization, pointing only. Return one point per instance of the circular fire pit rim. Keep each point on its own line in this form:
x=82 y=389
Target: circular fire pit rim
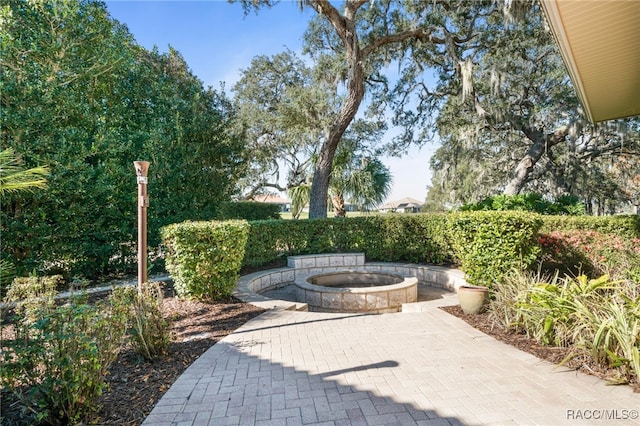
x=302 y=282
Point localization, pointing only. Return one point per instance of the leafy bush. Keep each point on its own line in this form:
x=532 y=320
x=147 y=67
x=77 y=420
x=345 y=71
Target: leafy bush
x=488 y=244
x=491 y=244
x=148 y=327
x=565 y=205
x=57 y=363
x=598 y=317
x=7 y=274
x=420 y=238
x=33 y=295
x=592 y=253
x=120 y=103
x=204 y=258
x=627 y=226
x=247 y=210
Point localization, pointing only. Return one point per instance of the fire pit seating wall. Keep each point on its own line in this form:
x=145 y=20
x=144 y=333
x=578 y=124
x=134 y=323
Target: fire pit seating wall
x=300 y=268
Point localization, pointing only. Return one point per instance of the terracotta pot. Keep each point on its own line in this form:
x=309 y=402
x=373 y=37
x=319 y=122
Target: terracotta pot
x=473 y=299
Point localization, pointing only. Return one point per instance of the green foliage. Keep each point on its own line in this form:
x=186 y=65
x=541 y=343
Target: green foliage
x=282 y=113
x=14 y=178
x=491 y=244
x=487 y=244
x=81 y=98
x=204 y=258
x=33 y=294
x=7 y=274
x=531 y=202
x=148 y=327
x=358 y=175
x=419 y=238
x=57 y=363
x=599 y=317
x=248 y=210
x=592 y=253
x=624 y=225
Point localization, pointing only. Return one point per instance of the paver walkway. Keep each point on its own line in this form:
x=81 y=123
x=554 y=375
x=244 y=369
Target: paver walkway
x=426 y=368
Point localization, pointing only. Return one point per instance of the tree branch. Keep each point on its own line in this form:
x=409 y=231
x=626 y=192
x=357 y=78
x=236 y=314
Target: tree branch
x=417 y=34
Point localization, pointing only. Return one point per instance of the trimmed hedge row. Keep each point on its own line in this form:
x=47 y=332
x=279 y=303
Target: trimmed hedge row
x=624 y=225
x=414 y=238
x=247 y=210
x=205 y=257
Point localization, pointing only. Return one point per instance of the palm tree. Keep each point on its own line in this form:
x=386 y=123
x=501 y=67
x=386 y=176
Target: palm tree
x=365 y=180
x=14 y=178
x=357 y=174
x=300 y=196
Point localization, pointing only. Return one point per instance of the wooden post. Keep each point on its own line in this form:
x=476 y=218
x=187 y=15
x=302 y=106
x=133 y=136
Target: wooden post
x=142 y=169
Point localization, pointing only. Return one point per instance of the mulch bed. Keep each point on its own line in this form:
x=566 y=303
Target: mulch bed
x=135 y=385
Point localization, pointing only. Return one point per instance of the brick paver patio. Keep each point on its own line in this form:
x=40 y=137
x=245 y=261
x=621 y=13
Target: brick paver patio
x=425 y=368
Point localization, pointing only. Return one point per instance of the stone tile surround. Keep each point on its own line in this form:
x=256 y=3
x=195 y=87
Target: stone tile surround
x=250 y=286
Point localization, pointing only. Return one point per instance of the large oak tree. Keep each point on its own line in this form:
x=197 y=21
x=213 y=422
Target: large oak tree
x=360 y=39
x=516 y=123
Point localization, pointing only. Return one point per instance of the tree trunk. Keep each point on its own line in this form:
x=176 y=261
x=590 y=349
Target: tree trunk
x=338 y=205
x=541 y=143
x=355 y=92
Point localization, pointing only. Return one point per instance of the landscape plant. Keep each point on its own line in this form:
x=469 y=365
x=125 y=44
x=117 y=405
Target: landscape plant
x=420 y=238
x=57 y=361
x=489 y=245
x=532 y=202
x=204 y=258
x=595 y=317
x=591 y=252
x=148 y=327
x=81 y=98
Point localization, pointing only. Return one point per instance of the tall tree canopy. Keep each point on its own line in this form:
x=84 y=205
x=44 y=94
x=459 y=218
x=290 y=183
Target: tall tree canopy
x=81 y=98
x=284 y=110
x=282 y=113
x=361 y=41
x=487 y=70
x=515 y=122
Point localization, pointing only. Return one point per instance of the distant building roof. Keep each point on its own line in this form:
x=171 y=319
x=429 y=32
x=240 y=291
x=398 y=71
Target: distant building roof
x=270 y=199
x=403 y=203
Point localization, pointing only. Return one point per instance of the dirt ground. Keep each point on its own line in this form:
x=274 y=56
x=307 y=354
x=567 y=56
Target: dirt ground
x=136 y=385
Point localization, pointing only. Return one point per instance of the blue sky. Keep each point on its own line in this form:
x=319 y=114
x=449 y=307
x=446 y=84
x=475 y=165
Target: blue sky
x=217 y=40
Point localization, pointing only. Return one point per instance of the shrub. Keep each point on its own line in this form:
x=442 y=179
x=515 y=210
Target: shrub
x=592 y=253
x=599 y=317
x=627 y=226
x=57 y=362
x=490 y=244
x=33 y=295
x=418 y=238
x=565 y=205
x=204 y=258
x=248 y=210
x=7 y=274
x=148 y=327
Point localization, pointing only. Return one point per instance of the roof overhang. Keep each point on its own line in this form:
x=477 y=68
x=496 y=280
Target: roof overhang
x=599 y=41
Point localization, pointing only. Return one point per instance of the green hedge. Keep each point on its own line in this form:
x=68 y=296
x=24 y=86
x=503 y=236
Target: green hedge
x=419 y=238
x=624 y=225
x=491 y=244
x=204 y=258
